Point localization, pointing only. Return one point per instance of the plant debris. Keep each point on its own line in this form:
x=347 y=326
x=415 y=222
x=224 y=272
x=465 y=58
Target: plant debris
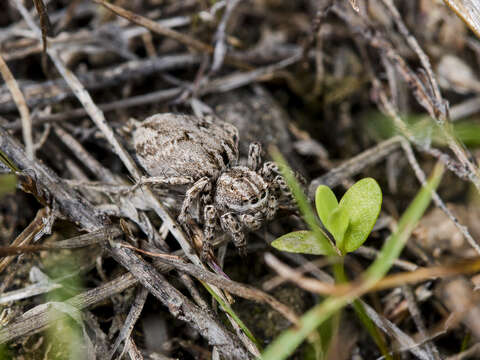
x=95 y=266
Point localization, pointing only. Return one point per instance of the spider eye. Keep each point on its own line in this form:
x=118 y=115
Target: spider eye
x=264 y=194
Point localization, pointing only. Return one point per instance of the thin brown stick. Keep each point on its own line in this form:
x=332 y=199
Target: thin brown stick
x=46 y=29
x=463 y=267
x=50 y=92
x=161 y=30
x=92 y=238
x=26 y=236
x=21 y=105
x=44 y=22
x=413 y=43
x=222 y=282
x=130 y=321
x=356 y=164
x=32 y=322
x=419 y=322
x=437 y=110
x=436 y=198
x=156 y=28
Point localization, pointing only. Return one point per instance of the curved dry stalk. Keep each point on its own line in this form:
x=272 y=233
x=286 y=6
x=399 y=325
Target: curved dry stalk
x=221 y=282
x=21 y=105
x=468 y=11
x=155 y=27
x=411 y=277
x=436 y=106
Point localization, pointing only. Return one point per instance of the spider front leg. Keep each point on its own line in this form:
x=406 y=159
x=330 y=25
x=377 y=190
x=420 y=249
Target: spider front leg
x=272 y=173
x=198 y=189
x=272 y=206
x=162 y=180
x=254 y=156
x=232 y=225
x=252 y=221
x=283 y=191
x=270 y=170
x=210 y=217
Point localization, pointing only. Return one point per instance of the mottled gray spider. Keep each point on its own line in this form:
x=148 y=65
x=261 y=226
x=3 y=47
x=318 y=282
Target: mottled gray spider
x=202 y=154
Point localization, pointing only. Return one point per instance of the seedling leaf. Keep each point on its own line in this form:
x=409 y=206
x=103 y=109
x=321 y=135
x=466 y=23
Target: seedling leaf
x=302 y=241
x=337 y=225
x=326 y=202
x=362 y=203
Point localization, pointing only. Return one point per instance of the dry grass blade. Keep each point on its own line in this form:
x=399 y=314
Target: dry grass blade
x=130 y=321
x=156 y=28
x=354 y=4
x=21 y=105
x=220 y=36
x=411 y=277
x=468 y=11
x=413 y=43
x=44 y=22
x=50 y=92
x=356 y=164
x=46 y=30
x=463 y=267
x=222 y=282
x=416 y=314
x=35 y=321
x=92 y=238
x=25 y=237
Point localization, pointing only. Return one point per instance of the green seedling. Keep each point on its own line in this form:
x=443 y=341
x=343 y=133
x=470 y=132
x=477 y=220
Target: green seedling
x=349 y=221
x=284 y=345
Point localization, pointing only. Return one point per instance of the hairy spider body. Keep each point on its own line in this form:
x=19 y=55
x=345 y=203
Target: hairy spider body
x=202 y=154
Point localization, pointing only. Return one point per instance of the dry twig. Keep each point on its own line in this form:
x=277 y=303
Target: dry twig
x=21 y=105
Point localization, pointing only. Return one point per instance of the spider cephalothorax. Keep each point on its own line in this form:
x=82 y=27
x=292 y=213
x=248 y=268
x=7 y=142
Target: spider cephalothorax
x=202 y=154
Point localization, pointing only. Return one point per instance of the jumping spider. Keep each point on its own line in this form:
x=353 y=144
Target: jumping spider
x=202 y=154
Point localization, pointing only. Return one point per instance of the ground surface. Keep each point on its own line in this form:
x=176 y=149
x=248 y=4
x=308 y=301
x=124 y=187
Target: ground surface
x=386 y=92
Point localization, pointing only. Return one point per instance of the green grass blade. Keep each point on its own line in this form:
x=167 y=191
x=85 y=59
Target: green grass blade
x=368 y=324
x=4 y=158
x=407 y=223
x=288 y=341
x=226 y=307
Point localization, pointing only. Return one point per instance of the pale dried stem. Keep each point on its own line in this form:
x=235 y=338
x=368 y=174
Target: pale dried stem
x=26 y=236
x=390 y=111
x=21 y=105
x=419 y=322
x=436 y=198
x=413 y=43
x=220 y=36
x=435 y=106
x=155 y=27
